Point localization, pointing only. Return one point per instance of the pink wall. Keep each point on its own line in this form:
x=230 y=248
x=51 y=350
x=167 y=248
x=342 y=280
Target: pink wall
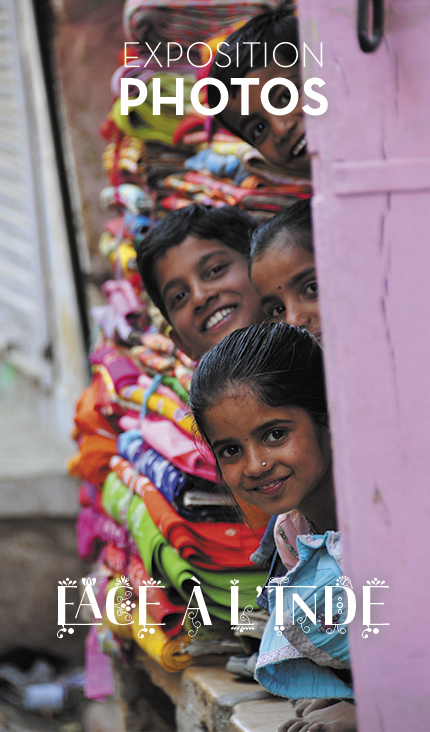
x=372 y=217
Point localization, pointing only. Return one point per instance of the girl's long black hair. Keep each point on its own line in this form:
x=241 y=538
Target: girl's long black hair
x=281 y=364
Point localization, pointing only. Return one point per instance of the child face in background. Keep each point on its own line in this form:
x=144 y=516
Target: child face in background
x=207 y=292
x=285 y=278
x=271 y=457
x=280 y=139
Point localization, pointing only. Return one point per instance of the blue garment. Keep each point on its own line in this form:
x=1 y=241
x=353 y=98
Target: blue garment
x=137 y=225
x=264 y=554
x=277 y=569
x=302 y=660
x=170 y=481
x=223 y=166
x=146 y=461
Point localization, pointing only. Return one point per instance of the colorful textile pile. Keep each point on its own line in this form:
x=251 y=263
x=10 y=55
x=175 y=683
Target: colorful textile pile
x=160 y=21
x=169 y=156
x=151 y=509
x=151 y=506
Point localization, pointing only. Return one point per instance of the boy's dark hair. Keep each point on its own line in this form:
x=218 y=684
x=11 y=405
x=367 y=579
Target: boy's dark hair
x=281 y=364
x=271 y=28
x=295 y=221
x=229 y=225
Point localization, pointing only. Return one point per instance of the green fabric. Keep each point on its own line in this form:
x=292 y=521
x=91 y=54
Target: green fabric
x=148 y=126
x=163 y=562
x=173 y=384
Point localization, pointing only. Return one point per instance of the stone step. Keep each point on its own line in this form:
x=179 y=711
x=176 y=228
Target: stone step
x=210 y=699
x=260 y=716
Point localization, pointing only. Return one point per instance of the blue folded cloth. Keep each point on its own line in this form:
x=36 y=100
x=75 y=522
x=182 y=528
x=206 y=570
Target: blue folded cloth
x=302 y=659
x=146 y=461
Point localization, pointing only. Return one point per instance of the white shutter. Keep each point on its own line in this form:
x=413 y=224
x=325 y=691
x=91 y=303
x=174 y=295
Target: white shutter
x=24 y=324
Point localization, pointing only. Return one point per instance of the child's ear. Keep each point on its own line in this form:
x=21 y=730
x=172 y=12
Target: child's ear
x=179 y=343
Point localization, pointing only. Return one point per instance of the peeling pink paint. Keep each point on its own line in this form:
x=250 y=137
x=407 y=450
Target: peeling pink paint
x=372 y=219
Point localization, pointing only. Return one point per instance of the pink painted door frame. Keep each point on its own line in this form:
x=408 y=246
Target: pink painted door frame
x=371 y=172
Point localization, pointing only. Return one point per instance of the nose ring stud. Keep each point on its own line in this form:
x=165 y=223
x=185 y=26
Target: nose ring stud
x=264 y=464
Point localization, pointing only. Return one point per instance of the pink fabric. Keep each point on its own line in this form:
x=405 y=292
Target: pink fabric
x=287 y=528
x=183 y=451
x=98 y=670
x=122 y=296
x=92 y=525
x=117 y=227
x=121 y=369
x=129 y=422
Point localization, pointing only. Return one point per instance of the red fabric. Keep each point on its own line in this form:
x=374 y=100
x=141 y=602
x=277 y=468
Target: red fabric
x=164 y=611
x=207 y=545
x=115 y=558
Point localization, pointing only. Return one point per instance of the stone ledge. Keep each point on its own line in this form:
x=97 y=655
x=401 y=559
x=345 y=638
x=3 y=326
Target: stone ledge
x=260 y=716
x=206 y=696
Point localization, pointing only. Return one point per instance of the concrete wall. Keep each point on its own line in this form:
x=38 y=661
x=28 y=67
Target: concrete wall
x=35 y=556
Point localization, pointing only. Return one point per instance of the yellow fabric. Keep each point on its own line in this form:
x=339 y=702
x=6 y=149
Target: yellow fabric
x=165 y=651
x=123 y=631
x=166 y=407
x=148 y=126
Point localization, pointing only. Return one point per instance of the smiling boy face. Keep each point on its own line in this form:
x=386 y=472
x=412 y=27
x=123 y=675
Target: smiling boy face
x=206 y=291
x=281 y=139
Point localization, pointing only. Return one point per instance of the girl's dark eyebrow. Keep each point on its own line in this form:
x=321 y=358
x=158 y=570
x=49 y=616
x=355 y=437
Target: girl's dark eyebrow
x=219 y=443
x=260 y=428
x=301 y=275
x=269 y=298
x=271 y=423
x=290 y=283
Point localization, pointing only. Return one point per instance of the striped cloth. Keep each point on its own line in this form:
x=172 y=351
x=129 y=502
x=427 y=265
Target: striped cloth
x=156 y=20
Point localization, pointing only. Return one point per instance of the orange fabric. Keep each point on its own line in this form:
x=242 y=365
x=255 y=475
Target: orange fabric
x=255 y=517
x=88 y=419
x=92 y=461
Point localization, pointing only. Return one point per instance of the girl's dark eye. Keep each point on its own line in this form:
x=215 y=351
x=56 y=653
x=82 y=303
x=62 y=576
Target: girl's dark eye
x=177 y=298
x=257 y=132
x=312 y=289
x=217 y=269
x=275 y=436
x=284 y=98
x=277 y=312
x=229 y=451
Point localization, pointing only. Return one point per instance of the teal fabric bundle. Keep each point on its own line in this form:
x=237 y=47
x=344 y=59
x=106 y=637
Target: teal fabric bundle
x=301 y=659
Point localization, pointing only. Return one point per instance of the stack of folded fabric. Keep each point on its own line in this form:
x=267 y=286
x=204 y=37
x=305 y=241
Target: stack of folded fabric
x=151 y=506
x=152 y=509
x=159 y=21
x=170 y=156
